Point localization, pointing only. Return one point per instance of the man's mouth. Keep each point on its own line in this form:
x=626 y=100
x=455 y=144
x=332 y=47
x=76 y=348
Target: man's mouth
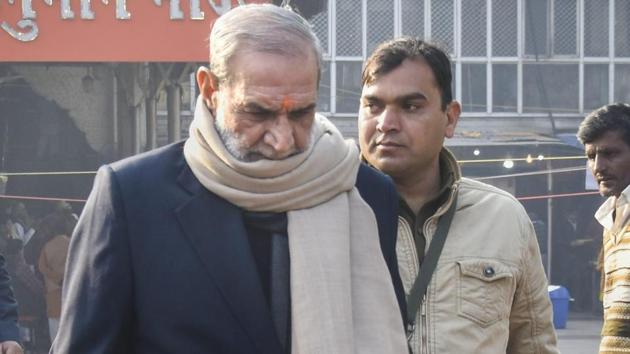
x=388 y=143
x=604 y=180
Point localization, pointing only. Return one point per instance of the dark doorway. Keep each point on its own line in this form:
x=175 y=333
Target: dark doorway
x=36 y=136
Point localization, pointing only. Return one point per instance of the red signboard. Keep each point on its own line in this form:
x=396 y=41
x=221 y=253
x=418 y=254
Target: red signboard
x=108 y=30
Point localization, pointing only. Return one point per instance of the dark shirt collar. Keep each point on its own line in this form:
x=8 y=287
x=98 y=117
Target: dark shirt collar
x=447 y=178
x=416 y=221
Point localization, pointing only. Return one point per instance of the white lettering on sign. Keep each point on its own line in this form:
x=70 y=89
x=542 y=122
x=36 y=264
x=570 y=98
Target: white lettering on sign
x=27 y=29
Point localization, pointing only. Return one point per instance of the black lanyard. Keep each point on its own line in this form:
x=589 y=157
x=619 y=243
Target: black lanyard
x=419 y=289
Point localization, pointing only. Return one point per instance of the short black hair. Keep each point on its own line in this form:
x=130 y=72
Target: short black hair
x=391 y=54
x=612 y=117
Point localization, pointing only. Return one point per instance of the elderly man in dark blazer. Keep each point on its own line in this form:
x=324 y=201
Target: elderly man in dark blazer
x=262 y=233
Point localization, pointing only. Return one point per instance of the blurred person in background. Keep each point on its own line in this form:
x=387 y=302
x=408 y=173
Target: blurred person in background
x=605 y=134
x=50 y=245
x=20 y=222
x=28 y=289
x=9 y=331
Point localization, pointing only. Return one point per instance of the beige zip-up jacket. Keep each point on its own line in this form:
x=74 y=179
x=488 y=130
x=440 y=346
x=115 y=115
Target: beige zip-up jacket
x=488 y=294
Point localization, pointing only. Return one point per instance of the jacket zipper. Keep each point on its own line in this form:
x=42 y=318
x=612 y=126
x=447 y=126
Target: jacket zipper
x=424 y=329
x=424 y=346
x=416 y=266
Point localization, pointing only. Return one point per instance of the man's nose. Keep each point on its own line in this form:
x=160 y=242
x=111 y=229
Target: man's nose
x=388 y=120
x=599 y=164
x=280 y=135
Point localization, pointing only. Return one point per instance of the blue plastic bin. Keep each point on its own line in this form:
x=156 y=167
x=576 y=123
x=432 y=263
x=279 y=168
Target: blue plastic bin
x=560 y=298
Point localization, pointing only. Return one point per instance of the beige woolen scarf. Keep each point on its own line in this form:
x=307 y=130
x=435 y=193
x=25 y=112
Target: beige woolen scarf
x=342 y=297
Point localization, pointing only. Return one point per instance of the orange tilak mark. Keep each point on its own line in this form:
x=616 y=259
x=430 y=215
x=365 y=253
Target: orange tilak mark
x=287 y=104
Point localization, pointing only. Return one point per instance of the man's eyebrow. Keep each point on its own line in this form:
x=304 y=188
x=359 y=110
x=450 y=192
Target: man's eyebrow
x=608 y=149
x=403 y=98
x=251 y=107
x=305 y=108
x=412 y=96
x=372 y=98
x=601 y=149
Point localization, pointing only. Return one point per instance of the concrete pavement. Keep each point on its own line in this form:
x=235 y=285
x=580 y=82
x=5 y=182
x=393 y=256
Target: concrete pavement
x=581 y=336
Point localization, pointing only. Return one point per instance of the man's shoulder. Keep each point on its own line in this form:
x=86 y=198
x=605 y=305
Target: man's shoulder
x=151 y=165
x=162 y=156
x=476 y=193
x=368 y=177
x=475 y=188
x=378 y=190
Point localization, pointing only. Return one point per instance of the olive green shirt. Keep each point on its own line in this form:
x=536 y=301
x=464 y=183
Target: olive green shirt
x=416 y=221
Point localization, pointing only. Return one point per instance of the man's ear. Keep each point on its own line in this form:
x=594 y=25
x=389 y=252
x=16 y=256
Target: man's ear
x=453 y=110
x=208 y=86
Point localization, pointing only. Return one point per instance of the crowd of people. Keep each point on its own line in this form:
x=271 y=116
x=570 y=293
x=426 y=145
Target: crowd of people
x=35 y=250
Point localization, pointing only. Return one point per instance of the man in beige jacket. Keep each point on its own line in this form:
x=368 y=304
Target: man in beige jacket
x=488 y=292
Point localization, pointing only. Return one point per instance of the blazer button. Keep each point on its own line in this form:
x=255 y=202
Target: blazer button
x=488 y=272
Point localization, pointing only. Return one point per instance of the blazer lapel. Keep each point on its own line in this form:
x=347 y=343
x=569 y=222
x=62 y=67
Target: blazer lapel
x=215 y=228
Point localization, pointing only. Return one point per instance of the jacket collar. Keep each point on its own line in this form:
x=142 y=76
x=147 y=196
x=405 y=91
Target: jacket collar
x=449 y=167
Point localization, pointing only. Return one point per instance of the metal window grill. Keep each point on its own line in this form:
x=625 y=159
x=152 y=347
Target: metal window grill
x=380 y=23
x=474 y=28
x=348 y=28
x=536 y=27
x=412 y=18
x=550 y=88
x=596 y=28
x=622 y=83
x=348 y=86
x=320 y=27
x=504 y=28
x=323 y=97
x=565 y=27
x=595 y=85
x=474 y=87
x=504 y=87
x=442 y=23
x=622 y=28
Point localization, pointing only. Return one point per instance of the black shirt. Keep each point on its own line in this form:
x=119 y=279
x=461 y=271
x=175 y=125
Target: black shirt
x=261 y=230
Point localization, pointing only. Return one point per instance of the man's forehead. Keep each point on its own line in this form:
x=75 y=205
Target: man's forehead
x=602 y=146
x=412 y=75
x=386 y=91
x=609 y=139
x=245 y=61
x=278 y=102
x=598 y=144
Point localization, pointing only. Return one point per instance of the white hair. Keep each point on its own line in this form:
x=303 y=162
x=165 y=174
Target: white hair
x=259 y=28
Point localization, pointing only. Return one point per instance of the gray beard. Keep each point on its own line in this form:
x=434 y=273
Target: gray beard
x=231 y=142
x=235 y=148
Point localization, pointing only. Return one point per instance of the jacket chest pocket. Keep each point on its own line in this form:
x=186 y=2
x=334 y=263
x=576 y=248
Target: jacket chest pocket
x=485 y=290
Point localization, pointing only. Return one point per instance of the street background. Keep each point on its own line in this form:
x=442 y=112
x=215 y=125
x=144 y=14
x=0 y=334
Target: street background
x=582 y=334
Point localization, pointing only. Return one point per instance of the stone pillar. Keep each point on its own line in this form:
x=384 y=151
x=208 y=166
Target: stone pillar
x=173 y=107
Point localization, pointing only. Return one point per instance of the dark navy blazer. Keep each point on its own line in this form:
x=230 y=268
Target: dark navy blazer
x=158 y=264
